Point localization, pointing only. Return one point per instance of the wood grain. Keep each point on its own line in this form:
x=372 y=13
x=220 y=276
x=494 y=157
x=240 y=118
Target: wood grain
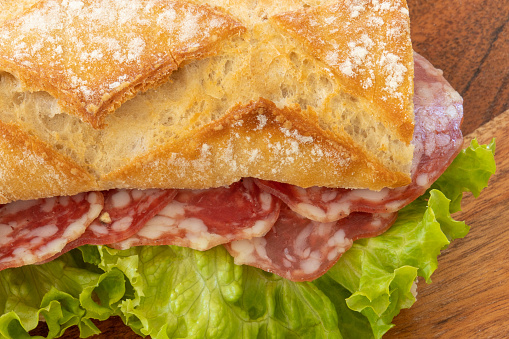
x=469 y=41
x=469 y=296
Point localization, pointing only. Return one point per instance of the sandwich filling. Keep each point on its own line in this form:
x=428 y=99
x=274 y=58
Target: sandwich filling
x=294 y=232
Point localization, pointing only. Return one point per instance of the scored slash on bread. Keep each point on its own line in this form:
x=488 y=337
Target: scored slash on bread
x=31 y=168
x=256 y=140
x=365 y=48
x=174 y=94
x=93 y=58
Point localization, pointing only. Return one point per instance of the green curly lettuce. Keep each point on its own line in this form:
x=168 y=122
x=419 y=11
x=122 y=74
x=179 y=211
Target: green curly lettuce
x=173 y=292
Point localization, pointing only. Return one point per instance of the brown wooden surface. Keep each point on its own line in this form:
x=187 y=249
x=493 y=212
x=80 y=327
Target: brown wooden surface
x=469 y=41
x=469 y=297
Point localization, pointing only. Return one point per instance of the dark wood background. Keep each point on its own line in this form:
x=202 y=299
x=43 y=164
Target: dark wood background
x=469 y=41
x=469 y=297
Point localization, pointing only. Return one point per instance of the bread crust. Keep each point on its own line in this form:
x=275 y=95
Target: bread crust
x=374 y=61
x=29 y=168
x=237 y=91
x=91 y=68
x=257 y=140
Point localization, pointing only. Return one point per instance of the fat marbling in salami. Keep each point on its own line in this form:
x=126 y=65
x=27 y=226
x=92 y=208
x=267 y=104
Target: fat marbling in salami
x=202 y=219
x=300 y=249
x=125 y=212
x=35 y=230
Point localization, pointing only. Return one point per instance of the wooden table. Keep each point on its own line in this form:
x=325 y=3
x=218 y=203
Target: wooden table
x=469 y=297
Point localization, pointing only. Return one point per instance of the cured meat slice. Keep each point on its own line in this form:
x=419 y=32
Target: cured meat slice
x=35 y=230
x=300 y=249
x=202 y=219
x=437 y=140
x=125 y=213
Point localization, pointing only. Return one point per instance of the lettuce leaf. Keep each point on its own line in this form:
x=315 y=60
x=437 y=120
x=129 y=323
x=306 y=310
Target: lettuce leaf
x=469 y=172
x=168 y=291
x=181 y=292
x=60 y=292
x=380 y=272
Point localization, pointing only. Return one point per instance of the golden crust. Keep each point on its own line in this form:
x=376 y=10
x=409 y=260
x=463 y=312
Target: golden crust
x=30 y=168
x=210 y=138
x=71 y=50
x=257 y=140
x=367 y=45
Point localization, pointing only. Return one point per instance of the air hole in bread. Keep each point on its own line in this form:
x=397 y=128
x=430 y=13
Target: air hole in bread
x=18 y=98
x=286 y=91
x=326 y=83
x=294 y=58
x=228 y=67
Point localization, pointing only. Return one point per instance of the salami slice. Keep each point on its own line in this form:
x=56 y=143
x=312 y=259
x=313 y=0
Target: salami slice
x=125 y=213
x=300 y=249
x=437 y=140
x=35 y=230
x=202 y=219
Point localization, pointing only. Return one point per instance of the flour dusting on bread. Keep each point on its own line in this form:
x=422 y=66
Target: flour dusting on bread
x=80 y=50
x=180 y=94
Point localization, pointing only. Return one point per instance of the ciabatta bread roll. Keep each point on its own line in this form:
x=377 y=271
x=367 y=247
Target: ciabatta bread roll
x=178 y=94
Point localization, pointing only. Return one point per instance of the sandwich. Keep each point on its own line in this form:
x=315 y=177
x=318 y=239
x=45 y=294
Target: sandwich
x=223 y=168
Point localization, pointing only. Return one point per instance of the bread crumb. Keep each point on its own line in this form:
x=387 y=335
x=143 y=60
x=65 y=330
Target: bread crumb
x=105 y=218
